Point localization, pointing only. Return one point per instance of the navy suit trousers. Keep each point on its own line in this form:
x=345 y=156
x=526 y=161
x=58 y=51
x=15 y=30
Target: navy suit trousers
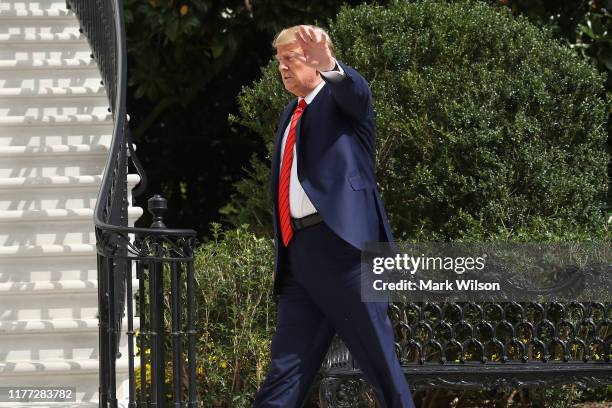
x=321 y=296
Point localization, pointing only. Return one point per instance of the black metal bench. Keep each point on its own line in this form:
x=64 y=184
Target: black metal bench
x=484 y=346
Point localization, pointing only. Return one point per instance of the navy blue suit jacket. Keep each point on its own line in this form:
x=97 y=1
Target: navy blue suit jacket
x=335 y=146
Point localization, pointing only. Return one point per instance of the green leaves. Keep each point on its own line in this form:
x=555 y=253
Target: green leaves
x=235 y=315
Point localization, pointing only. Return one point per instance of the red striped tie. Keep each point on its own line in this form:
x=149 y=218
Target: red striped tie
x=283 y=185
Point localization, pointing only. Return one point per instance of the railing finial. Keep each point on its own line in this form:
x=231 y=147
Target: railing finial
x=157 y=206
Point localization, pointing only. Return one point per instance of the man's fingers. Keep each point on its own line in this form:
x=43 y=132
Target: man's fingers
x=313 y=35
x=305 y=34
x=318 y=36
x=311 y=41
x=322 y=38
x=298 y=37
x=301 y=41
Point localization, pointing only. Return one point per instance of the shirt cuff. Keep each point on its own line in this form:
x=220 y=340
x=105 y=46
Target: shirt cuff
x=335 y=75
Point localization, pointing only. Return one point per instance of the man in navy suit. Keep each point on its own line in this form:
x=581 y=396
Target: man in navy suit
x=326 y=207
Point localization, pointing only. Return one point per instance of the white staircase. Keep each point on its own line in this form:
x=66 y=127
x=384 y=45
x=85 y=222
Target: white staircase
x=55 y=130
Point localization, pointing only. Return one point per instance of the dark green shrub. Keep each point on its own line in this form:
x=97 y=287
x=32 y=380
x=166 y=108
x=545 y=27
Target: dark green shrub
x=487 y=127
x=235 y=316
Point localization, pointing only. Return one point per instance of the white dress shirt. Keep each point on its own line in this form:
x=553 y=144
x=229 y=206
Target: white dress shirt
x=299 y=203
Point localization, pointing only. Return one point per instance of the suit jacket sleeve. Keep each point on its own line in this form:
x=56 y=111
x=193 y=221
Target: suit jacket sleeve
x=351 y=92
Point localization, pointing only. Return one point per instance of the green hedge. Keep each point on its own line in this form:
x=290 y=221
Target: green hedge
x=236 y=316
x=487 y=127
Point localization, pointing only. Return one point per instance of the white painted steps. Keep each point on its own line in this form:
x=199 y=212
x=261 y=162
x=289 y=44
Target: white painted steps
x=55 y=132
x=54 y=226
x=51 y=15
x=56 y=135
x=78 y=373
x=45 y=251
x=38 y=193
x=67 y=265
x=41 y=64
x=46 y=287
x=45 y=45
x=54 y=160
x=55 y=119
x=73 y=37
x=59 y=105
x=21 y=94
x=47 y=150
x=49 y=73
x=15 y=22
x=64 y=339
x=33 y=5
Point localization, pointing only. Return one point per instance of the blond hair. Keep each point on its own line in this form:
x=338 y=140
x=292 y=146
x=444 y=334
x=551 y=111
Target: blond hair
x=287 y=36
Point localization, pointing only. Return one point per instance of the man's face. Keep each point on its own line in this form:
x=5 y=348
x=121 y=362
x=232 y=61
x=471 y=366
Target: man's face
x=298 y=78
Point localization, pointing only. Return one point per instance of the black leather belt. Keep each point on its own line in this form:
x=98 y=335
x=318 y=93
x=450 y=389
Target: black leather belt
x=307 y=221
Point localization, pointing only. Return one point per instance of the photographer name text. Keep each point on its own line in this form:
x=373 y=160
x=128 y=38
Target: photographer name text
x=436 y=286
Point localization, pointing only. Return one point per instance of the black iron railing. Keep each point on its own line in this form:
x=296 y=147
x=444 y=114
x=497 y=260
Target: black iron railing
x=154 y=253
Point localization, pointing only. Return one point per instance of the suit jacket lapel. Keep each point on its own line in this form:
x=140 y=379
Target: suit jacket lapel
x=283 y=125
x=277 y=146
x=285 y=118
x=312 y=107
